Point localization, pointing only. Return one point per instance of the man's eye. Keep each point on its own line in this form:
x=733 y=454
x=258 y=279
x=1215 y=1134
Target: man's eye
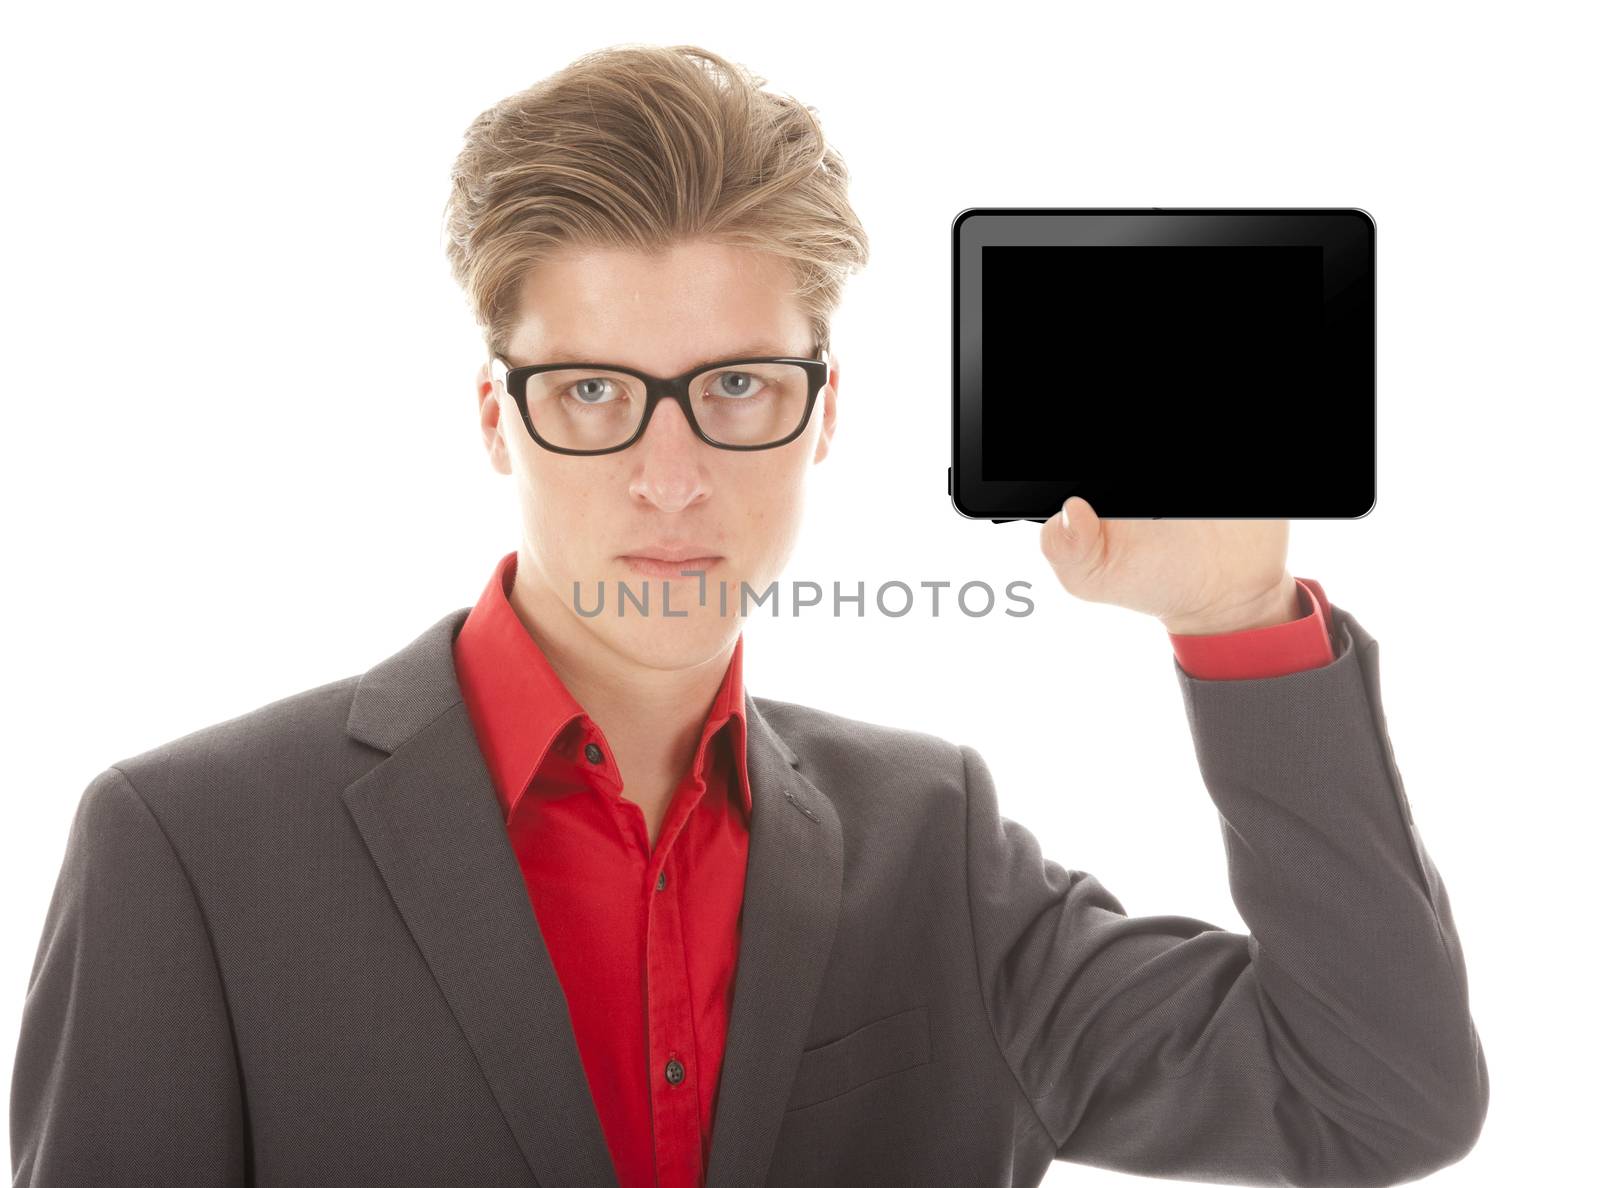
x=743 y=386
x=587 y=393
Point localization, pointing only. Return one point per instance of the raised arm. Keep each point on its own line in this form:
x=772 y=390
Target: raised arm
x=1332 y=1044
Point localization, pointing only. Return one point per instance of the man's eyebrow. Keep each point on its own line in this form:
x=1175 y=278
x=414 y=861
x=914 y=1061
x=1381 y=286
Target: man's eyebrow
x=563 y=355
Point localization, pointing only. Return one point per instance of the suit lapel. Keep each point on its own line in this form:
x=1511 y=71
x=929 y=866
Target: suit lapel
x=791 y=910
x=430 y=819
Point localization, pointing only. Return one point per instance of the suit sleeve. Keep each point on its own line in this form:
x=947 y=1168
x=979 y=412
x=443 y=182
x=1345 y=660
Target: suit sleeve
x=125 y=1072
x=1331 y=1044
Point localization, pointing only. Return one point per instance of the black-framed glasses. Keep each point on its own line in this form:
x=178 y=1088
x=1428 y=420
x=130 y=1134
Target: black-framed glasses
x=599 y=408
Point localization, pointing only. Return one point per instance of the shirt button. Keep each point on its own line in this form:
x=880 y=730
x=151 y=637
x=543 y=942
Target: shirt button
x=661 y=881
x=593 y=753
x=674 y=1072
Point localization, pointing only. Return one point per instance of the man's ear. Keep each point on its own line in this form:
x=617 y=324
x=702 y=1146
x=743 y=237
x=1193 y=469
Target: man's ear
x=494 y=440
x=830 y=408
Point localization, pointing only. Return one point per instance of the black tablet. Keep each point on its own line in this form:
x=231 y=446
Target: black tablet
x=1198 y=362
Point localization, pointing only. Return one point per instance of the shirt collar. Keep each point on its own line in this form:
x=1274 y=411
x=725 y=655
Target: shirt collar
x=522 y=711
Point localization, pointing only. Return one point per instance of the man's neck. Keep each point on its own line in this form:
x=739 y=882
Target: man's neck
x=652 y=718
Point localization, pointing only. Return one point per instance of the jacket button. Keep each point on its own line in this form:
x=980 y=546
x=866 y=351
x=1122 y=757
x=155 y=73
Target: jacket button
x=661 y=881
x=593 y=753
x=674 y=1072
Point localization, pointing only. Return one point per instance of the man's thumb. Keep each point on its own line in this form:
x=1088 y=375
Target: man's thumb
x=1066 y=534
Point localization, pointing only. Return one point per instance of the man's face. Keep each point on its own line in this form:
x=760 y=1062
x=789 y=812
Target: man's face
x=582 y=516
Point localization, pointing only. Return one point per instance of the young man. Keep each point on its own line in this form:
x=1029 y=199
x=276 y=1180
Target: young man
x=547 y=897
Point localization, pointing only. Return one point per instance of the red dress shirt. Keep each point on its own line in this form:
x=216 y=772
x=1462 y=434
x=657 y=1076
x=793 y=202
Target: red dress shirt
x=645 y=941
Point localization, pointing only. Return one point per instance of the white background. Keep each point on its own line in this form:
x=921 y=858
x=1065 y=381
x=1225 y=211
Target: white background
x=241 y=456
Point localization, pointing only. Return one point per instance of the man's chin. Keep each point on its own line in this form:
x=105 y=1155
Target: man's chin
x=694 y=588
x=672 y=642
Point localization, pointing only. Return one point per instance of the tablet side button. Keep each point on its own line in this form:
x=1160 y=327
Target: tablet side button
x=949 y=480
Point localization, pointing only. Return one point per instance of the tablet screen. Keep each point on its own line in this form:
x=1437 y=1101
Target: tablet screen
x=1178 y=362
x=1110 y=360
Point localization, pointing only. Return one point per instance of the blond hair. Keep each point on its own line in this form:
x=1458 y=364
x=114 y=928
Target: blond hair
x=641 y=147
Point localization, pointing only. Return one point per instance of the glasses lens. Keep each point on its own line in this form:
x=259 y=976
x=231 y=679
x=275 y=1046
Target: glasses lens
x=750 y=403
x=740 y=404
x=585 y=409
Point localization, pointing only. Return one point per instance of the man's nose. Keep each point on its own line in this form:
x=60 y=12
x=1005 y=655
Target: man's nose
x=670 y=460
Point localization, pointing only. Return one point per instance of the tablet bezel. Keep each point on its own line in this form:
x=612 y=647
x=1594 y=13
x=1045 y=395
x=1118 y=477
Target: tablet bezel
x=1347 y=235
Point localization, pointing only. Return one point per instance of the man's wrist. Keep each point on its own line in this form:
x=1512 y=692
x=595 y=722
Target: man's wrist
x=1280 y=605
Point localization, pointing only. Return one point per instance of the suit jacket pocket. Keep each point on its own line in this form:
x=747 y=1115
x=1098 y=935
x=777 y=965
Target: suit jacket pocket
x=888 y=1045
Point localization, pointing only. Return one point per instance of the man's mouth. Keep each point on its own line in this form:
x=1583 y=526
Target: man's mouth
x=668 y=568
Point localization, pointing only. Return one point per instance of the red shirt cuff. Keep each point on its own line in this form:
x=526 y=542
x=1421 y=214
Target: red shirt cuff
x=1306 y=642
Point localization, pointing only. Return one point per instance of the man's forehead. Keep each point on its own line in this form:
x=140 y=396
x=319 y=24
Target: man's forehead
x=594 y=350
x=681 y=308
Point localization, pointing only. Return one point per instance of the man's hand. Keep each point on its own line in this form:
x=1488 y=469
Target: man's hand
x=1199 y=577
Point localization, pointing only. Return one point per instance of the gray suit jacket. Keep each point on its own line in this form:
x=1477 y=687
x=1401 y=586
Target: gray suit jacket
x=295 y=948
